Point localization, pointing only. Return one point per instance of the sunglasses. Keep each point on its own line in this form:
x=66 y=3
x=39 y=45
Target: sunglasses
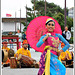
x=51 y=24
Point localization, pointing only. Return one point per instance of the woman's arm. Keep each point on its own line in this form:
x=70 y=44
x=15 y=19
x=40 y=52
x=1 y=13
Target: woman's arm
x=67 y=45
x=47 y=35
x=42 y=40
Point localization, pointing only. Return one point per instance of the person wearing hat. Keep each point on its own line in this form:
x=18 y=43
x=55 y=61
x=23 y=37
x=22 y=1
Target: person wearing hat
x=5 y=50
x=5 y=46
x=24 y=38
x=23 y=50
x=51 y=40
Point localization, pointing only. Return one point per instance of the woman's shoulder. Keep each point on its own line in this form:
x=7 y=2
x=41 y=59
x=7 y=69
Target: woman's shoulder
x=43 y=36
x=59 y=35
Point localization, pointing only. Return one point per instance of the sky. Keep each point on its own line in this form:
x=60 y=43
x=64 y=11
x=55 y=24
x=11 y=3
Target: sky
x=12 y=6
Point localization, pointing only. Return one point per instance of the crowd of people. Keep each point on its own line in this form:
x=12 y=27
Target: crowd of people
x=7 y=53
x=24 y=47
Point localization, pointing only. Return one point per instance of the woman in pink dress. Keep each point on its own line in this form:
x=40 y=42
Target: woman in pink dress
x=52 y=39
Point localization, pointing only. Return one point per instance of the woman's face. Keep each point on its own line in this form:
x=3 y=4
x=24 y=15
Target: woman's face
x=50 y=26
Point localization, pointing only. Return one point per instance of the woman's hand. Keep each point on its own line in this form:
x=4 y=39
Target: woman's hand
x=47 y=35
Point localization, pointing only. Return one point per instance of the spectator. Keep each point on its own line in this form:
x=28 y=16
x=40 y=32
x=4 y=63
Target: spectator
x=24 y=38
x=5 y=45
x=10 y=40
x=5 y=50
x=20 y=37
x=66 y=34
x=23 y=50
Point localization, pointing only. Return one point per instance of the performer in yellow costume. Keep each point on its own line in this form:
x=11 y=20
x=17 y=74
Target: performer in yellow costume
x=5 y=50
x=65 y=55
x=5 y=46
x=23 y=50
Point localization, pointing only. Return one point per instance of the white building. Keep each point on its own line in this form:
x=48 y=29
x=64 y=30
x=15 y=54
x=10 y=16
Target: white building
x=71 y=12
x=12 y=24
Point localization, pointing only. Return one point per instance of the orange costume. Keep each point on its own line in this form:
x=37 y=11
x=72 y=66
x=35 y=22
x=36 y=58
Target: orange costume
x=5 y=48
x=65 y=55
x=6 y=60
x=23 y=51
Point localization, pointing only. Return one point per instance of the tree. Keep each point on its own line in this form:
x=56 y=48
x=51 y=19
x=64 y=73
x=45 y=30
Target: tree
x=69 y=22
x=25 y=27
x=60 y=18
x=52 y=10
x=30 y=16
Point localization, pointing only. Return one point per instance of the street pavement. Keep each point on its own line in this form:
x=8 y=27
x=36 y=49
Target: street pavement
x=29 y=71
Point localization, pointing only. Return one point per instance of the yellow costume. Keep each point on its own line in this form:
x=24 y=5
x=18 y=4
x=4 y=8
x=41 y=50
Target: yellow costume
x=6 y=48
x=6 y=59
x=47 y=64
x=23 y=52
x=65 y=55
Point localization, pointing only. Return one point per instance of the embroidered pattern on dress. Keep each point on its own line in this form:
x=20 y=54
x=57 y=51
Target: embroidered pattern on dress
x=55 y=42
x=56 y=67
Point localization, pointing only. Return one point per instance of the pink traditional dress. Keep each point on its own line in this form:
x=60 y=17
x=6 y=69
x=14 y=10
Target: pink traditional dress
x=56 y=67
x=34 y=31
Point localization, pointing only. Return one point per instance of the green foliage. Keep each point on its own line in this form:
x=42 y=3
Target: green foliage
x=29 y=9
x=60 y=18
x=52 y=10
x=33 y=1
x=69 y=22
x=24 y=25
x=71 y=40
x=30 y=16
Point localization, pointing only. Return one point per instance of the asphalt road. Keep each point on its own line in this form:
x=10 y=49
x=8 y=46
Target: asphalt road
x=29 y=71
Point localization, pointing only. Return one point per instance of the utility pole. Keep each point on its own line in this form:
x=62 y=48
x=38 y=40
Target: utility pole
x=20 y=19
x=65 y=13
x=26 y=14
x=15 y=22
x=45 y=7
x=34 y=8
